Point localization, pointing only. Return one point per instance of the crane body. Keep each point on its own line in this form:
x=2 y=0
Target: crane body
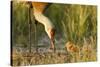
x=38 y=10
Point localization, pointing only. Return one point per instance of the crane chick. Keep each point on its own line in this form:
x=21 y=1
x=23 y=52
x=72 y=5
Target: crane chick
x=71 y=47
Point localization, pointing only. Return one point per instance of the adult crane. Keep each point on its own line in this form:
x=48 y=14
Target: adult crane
x=38 y=11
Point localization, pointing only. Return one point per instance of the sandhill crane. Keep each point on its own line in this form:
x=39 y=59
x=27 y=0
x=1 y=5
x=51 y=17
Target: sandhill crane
x=38 y=10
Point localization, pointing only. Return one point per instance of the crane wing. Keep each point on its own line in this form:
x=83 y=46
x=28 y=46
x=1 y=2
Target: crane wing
x=48 y=5
x=40 y=6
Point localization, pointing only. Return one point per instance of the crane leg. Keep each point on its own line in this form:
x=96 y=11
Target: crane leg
x=36 y=41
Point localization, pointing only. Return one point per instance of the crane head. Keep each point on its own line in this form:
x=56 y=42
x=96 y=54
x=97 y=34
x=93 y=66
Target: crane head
x=51 y=34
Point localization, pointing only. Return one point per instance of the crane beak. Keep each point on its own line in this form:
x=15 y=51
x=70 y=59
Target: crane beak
x=52 y=34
